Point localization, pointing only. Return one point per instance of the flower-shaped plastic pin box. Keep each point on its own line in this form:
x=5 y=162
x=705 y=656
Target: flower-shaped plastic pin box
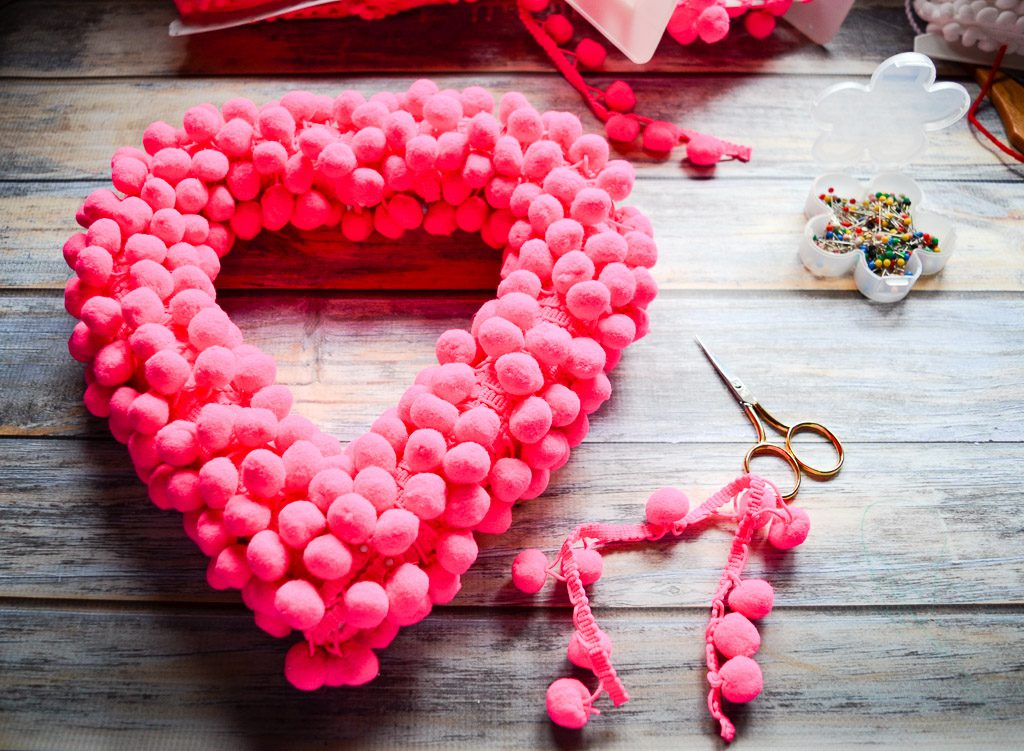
x=879 y=230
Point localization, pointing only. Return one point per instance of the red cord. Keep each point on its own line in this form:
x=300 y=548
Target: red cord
x=977 y=103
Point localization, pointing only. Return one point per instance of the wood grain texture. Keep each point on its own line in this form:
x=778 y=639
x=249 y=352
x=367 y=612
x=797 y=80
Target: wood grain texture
x=42 y=38
x=900 y=623
x=864 y=677
x=750 y=227
x=938 y=544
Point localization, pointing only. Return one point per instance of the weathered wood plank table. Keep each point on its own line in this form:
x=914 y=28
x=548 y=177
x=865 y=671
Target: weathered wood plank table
x=899 y=623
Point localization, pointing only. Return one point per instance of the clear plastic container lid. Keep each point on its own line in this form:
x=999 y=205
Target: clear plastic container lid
x=886 y=121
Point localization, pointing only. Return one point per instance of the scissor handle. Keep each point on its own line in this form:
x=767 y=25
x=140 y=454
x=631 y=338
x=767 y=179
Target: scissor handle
x=828 y=435
x=770 y=449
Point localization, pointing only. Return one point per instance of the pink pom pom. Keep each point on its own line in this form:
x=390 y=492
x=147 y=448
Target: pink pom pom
x=172 y=165
x=735 y=635
x=519 y=308
x=128 y=175
x=267 y=556
x=617 y=179
x=299 y=522
x=377 y=485
x=305 y=671
x=159 y=135
x=578 y=654
x=202 y=123
x=590 y=54
x=455 y=345
x=713 y=24
x=211 y=166
x=787 y=535
x=568 y=703
x=666 y=506
x=102 y=315
x=619 y=97
x=263 y=473
x=590 y=149
x=276 y=123
x=525 y=125
x=660 y=137
x=235 y=138
x=229 y=569
x=587 y=300
x=407 y=589
x=518 y=373
x=509 y=479
x=167 y=371
x=424 y=495
x=396 y=530
x=558 y=28
x=366 y=604
x=548 y=343
x=453 y=382
x=704 y=151
x=530 y=420
x=499 y=336
x=244 y=517
x=564 y=183
x=430 y=411
x=299 y=604
x=94 y=266
x=456 y=551
x=591 y=206
x=590 y=565
x=466 y=463
x=218 y=481
x=530 y=571
x=467 y=505
x=214 y=427
x=622 y=129
x=479 y=425
x=442 y=112
x=113 y=364
x=327 y=485
x=753 y=598
x=327 y=558
x=565 y=235
x=352 y=518
x=149 y=413
x=424 y=450
x=741 y=679
x=586 y=358
x=372 y=450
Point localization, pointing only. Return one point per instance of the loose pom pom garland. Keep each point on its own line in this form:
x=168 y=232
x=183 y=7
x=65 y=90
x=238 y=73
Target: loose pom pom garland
x=731 y=638
x=349 y=544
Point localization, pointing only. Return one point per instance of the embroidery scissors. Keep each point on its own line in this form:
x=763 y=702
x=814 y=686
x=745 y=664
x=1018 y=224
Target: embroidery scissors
x=757 y=413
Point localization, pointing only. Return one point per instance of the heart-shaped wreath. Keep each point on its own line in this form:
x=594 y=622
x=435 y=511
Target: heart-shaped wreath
x=349 y=544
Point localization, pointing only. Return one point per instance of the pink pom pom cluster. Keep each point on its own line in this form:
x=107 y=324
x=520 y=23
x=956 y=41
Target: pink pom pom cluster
x=710 y=20
x=348 y=544
x=731 y=637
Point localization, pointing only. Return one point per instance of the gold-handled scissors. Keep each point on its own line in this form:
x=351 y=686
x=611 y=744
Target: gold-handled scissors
x=756 y=413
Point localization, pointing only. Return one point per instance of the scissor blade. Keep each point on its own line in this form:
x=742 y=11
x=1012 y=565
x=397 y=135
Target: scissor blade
x=739 y=391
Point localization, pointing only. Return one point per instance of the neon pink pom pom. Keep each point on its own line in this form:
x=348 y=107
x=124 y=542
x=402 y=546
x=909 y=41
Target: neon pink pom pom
x=352 y=518
x=660 y=137
x=736 y=635
x=455 y=345
x=578 y=654
x=235 y=137
x=787 y=535
x=229 y=569
x=202 y=123
x=568 y=703
x=564 y=183
x=590 y=565
x=159 y=135
x=299 y=522
x=530 y=420
x=587 y=300
x=377 y=485
x=704 y=150
x=467 y=505
x=591 y=206
x=267 y=556
x=622 y=129
x=263 y=473
x=590 y=149
x=299 y=604
x=518 y=373
x=371 y=449
x=712 y=24
x=453 y=382
x=519 y=308
x=456 y=551
x=218 y=481
x=327 y=558
x=586 y=358
x=167 y=371
x=366 y=604
x=548 y=343
x=530 y=571
x=499 y=336
x=525 y=125
x=430 y=411
x=741 y=679
x=424 y=450
x=406 y=589
x=466 y=463
x=276 y=123
x=616 y=332
x=479 y=425
x=396 y=530
x=667 y=505
x=171 y=164
x=424 y=495
x=148 y=413
x=619 y=97
x=590 y=54
x=327 y=485
x=305 y=670
x=442 y=112
x=753 y=598
x=558 y=28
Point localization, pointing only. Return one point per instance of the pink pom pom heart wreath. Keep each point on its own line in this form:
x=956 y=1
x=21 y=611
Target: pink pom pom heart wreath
x=347 y=544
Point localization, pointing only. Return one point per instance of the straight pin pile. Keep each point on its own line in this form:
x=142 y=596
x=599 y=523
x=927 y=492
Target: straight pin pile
x=881 y=227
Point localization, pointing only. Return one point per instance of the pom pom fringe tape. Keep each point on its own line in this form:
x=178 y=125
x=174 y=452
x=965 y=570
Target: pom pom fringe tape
x=347 y=545
x=736 y=601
